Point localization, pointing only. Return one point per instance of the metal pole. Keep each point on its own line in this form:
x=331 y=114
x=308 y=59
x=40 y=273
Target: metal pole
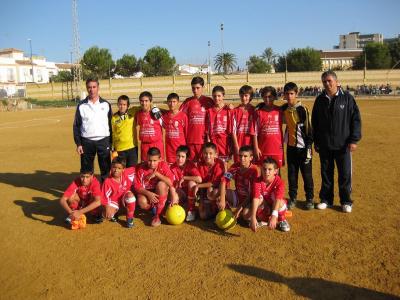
x=285 y=70
x=209 y=56
x=30 y=46
x=222 y=38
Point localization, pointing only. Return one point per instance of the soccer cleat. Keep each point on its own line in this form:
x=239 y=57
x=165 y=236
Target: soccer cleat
x=154 y=210
x=322 y=205
x=68 y=220
x=130 y=223
x=156 y=221
x=98 y=219
x=291 y=203
x=284 y=226
x=309 y=204
x=113 y=219
x=191 y=216
x=347 y=208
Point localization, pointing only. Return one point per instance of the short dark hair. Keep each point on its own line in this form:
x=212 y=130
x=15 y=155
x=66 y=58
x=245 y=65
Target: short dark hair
x=184 y=149
x=86 y=171
x=197 y=80
x=146 y=94
x=246 y=148
x=173 y=96
x=119 y=160
x=209 y=145
x=217 y=89
x=270 y=89
x=246 y=89
x=270 y=160
x=124 y=98
x=290 y=86
x=92 y=79
x=329 y=73
x=153 y=151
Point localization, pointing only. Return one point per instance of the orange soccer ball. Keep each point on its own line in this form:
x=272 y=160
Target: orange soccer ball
x=79 y=224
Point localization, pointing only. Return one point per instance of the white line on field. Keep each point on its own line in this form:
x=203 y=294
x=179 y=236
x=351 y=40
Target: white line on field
x=378 y=115
x=19 y=125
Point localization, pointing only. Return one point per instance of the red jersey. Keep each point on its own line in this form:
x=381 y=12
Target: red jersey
x=85 y=193
x=244 y=179
x=242 y=124
x=189 y=169
x=113 y=191
x=269 y=193
x=212 y=173
x=195 y=109
x=150 y=128
x=268 y=129
x=175 y=133
x=143 y=171
x=219 y=129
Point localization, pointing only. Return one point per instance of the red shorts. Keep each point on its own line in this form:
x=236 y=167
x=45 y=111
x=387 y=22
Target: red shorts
x=144 y=147
x=279 y=158
x=195 y=151
x=264 y=213
x=79 y=204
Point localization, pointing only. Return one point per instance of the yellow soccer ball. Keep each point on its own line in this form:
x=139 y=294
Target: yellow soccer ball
x=175 y=215
x=225 y=219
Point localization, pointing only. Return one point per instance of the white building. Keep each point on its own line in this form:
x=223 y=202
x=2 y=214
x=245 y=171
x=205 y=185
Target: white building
x=16 y=70
x=190 y=69
x=339 y=59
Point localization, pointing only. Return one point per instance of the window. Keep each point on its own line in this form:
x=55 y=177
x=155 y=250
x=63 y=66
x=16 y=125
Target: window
x=10 y=75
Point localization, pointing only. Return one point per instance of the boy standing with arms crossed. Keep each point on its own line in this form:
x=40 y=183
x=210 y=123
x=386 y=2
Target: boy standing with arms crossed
x=148 y=128
x=195 y=108
x=298 y=136
x=175 y=123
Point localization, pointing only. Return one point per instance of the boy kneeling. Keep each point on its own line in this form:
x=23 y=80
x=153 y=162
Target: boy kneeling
x=268 y=202
x=83 y=195
x=117 y=191
x=152 y=183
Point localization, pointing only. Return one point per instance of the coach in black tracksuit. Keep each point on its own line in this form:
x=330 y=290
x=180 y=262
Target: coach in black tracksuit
x=92 y=130
x=336 y=122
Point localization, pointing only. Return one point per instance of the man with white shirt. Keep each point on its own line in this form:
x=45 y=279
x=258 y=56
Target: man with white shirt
x=336 y=122
x=92 y=130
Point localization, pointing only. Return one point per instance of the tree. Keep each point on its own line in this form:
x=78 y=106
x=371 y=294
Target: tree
x=394 y=49
x=269 y=56
x=126 y=66
x=97 y=62
x=378 y=57
x=300 y=60
x=157 y=62
x=62 y=76
x=256 y=64
x=225 y=62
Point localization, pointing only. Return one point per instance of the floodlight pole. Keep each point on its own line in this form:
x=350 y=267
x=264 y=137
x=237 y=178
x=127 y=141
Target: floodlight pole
x=222 y=38
x=30 y=46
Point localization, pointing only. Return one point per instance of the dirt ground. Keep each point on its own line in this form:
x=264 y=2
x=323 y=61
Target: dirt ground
x=327 y=254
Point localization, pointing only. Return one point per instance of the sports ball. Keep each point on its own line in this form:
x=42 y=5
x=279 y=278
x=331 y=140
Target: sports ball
x=79 y=224
x=175 y=215
x=225 y=219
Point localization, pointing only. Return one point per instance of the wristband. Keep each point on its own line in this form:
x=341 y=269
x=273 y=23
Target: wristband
x=274 y=213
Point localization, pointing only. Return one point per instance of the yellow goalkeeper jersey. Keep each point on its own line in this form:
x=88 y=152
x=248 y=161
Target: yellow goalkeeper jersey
x=123 y=131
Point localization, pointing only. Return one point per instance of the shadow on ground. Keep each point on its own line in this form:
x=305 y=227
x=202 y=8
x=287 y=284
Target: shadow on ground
x=312 y=288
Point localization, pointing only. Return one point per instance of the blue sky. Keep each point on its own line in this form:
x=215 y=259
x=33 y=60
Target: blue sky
x=185 y=27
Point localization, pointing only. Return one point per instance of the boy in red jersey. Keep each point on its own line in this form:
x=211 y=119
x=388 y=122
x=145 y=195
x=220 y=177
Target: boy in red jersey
x=242 y=121
x=244 y=173
x=148 y=128
x=83 y=195
x=211 y=169
x=195 y=108
x=268 y=135
x=186 y=176
x=218 y=124
x=117 y=192
x=175 y=123
x=268 y=202
x=152 y=183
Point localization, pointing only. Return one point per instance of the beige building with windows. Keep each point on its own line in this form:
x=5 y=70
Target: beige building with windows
x=339 y=59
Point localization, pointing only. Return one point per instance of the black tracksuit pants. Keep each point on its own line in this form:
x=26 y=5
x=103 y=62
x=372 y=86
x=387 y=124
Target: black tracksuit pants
x=130 y=155
x=344 y=167
x=296 y=159
x=102 y=149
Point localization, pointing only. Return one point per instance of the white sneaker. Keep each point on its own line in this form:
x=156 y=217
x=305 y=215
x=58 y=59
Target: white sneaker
x=284 y=226
x=191 y=216
x=347 y=208
x=322 y=205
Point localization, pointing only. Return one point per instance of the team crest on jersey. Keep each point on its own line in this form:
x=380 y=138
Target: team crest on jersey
x=276 y=118
x=225 y=118
x=341 y=106
x=151 y=121
x=203 y=109
x=176 y=124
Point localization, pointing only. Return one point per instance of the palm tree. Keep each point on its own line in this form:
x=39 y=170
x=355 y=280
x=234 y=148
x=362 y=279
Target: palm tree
x=225 y=61
x=269 y=56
